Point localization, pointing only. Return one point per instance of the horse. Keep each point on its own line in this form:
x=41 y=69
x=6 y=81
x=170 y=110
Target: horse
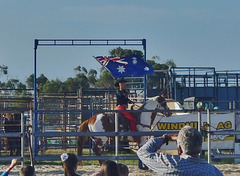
x=104 y=122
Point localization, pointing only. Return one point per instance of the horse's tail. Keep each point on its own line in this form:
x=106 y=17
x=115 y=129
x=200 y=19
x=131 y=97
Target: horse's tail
x=82 y=139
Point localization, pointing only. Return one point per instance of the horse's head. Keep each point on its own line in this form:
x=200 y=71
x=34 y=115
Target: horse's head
x=148 y=119
x=162 y=104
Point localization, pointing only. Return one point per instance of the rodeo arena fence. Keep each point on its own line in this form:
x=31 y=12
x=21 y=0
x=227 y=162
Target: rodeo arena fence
x=56 y=128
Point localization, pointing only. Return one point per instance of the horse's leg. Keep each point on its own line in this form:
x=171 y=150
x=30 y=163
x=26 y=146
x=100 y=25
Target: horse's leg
x=97 y=148
x=81 y=141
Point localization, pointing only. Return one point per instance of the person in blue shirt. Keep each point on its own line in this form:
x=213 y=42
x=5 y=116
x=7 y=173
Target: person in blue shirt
x=10 y=167
x=187 y=162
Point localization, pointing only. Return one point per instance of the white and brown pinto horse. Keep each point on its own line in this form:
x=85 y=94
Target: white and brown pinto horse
x=104 y=122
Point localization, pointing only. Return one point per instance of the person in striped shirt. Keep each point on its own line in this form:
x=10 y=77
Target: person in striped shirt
x=187 y=162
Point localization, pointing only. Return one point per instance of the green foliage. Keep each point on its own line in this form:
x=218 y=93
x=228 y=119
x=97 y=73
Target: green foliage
x=70 y=85
x=3 y=69
x=92 y=77
x=41 y=80
x=158 y=79
x=82 y=81
x=170 y=63
x=53 y=86
x=119 y=52
x=105 y=80
x=29 y=81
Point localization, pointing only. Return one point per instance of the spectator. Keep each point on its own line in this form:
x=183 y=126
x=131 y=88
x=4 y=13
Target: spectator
x=12 y=125
x=108 y=168
x=27 y=171
x=123 y=169
x=189 y=142
x=10 y=167
x=70 y=164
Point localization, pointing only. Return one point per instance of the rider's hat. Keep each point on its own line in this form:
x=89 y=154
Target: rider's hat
x=121 y=80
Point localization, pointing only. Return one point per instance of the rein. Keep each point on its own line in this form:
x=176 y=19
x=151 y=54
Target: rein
x=152 y=116
x=152 y=120
x=150 y=126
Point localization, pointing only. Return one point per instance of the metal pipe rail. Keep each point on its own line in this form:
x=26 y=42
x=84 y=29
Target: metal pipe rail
x=226 y=156
x=57 y=157
x=9 y=158
x=68 y=134
x=100 y=111
x=11 y=135
x=119 y=111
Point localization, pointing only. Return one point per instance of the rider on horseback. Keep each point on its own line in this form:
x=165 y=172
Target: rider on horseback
x=122 y=102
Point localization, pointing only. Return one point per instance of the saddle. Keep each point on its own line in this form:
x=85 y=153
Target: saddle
x=124 y=123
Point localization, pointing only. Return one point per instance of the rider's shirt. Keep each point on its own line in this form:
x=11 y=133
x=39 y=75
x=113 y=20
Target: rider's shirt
x=122 y=97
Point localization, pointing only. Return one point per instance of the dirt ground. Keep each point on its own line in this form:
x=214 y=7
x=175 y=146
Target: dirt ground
x=53 y=170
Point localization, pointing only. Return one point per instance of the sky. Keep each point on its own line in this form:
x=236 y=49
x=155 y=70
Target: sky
x=202 y=33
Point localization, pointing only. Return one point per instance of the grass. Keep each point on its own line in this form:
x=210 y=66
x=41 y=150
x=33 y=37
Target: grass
x=104 y=153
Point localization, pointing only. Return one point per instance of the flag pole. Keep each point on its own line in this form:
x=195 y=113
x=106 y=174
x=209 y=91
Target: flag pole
x=145 y=77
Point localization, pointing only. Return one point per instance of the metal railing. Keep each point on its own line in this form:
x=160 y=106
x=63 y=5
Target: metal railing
x=116 y=133
x=210 y=132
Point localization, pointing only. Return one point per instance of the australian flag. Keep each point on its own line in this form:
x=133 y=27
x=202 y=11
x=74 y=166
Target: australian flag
x=125 y=66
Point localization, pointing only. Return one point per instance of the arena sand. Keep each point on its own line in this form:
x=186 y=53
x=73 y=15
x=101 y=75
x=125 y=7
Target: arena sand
x=53 y=170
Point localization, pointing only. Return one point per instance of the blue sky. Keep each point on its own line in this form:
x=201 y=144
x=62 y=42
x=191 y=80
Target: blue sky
x=191 y=33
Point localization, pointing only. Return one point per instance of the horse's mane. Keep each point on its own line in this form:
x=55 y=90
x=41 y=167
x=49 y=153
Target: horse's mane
x=143 y=104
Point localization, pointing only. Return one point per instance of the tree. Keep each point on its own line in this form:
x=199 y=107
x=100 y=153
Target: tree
x=105 y=80
x=15 y=84
x=3 y=69
x=70 y=85
x=78 y=69
x=53 y=86
x=119 y=52
x=82 y=81
x=170 y=63
x=21 y=89
x=12 y=83
x=41 y=80
x=2 y=85
x=30 y=81
x=84 y=70
x=92 y=77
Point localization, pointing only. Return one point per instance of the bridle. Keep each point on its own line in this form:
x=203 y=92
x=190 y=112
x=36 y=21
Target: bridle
x=162 y=104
